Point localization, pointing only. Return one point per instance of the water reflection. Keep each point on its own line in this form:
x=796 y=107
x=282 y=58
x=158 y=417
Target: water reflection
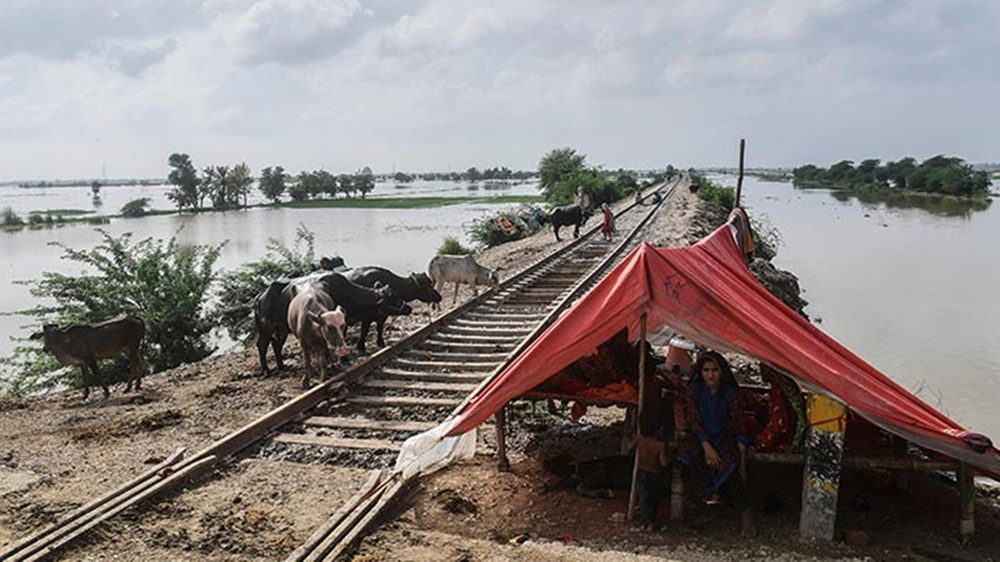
x=938 y=206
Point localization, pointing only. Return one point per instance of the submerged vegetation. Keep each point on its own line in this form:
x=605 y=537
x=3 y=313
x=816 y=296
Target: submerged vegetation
x=941 y=175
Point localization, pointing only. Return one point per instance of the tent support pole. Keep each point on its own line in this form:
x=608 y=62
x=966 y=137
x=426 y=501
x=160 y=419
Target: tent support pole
x=633 y=491
x=966 y=495
x=821 y=473
x=500 y=420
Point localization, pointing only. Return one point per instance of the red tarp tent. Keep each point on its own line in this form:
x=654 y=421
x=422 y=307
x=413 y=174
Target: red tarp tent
x=706 y=293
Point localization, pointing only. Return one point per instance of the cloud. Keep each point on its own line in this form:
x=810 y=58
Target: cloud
x=295 y=31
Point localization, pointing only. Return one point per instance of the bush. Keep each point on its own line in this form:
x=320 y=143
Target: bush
x=451 y=246
x=505 y=225
x=715 y=193
x=164 y=284
x=36 y=219
x=239 y=288
x=136 y=208
x=10 y=219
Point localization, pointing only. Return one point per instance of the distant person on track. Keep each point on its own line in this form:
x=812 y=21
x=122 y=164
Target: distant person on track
x=608 y=227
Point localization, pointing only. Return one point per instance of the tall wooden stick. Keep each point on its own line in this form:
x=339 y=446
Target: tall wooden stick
x=638 y=416
x=739 y=179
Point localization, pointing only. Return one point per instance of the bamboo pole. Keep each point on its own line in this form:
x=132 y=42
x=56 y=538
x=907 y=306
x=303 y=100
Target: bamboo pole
x=739 y=178
x=642 y=394
x=500 y=419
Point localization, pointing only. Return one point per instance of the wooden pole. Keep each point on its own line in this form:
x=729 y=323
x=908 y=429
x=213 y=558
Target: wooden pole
x=633 y=492
x=501 y=422
x=739 y=178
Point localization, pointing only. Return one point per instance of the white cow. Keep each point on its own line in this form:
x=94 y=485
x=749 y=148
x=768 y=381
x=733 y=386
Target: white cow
x=445 y=269
x=319 y=325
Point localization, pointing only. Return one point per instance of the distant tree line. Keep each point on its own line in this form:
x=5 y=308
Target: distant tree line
x=946 y=175
x=228 y=187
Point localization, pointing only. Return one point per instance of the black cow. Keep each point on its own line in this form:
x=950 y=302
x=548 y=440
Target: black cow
x=84 y=344
x=569 y=215
x=417 y=286
x=359 y=303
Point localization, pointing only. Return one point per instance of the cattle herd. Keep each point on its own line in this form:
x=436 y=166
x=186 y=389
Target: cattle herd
x=316 y=308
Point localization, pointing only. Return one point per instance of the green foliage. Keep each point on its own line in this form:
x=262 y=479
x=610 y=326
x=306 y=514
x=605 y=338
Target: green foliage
x=554 y=168
x=238 y=288
x=364 y=182
x=715 y=193
x=164 y=284
x=184 y=176
x=505 y=225
x=10 y=219
x=272 y=183
x=36 y=219
x=30 y=370
x=136 y=208
x=452 y=247
x=940 y=174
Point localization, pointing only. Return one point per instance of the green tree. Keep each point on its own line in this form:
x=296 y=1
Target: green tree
x=347 y=185
x=165 y=284
x=213 y=186
x=556 y=166
x=184 y=177
x=272 y=183
x=136 y=208
x=364 y=182
x=238 y=185
x=473 y=175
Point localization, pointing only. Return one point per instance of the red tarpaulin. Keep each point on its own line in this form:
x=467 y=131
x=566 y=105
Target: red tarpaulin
x=706 y=293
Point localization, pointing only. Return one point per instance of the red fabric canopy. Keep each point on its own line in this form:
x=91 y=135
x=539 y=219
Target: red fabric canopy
x=706 y=293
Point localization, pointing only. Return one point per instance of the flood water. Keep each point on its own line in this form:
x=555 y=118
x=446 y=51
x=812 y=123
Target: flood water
x=403 y=240
x=910 y=288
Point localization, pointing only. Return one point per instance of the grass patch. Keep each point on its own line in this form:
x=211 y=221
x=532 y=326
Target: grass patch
x=405 y=202
x=63 y=212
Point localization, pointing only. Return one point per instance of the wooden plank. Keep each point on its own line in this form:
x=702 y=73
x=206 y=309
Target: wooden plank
x=445 y=365
x=434 y=377
x=821 y=472
x=365 y=423
x=402 y=401
x=889 y=463
x=428 y=386
x=336 y=442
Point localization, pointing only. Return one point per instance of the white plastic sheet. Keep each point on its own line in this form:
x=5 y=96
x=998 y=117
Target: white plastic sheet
x=429 y=451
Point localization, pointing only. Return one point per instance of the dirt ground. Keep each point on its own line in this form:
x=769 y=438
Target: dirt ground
x=58 y=452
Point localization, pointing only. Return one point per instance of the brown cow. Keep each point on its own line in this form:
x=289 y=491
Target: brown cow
x=318 y=325
x=84 y=344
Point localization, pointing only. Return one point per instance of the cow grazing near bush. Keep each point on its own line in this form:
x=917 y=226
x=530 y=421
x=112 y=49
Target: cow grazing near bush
x=84 y=344
x=446 y=269
x=359 y=304
x=319 y=326
x=569 y=215
x=416 y=287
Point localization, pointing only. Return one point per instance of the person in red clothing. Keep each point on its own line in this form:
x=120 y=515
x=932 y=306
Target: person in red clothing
x=608 y=228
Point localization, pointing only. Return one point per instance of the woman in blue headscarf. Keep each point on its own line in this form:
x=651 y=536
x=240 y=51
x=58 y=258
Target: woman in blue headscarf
x=715 y=417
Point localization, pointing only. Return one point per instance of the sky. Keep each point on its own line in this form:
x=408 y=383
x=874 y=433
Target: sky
x=104 y=87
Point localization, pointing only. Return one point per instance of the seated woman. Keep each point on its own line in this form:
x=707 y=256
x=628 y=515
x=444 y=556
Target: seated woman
x=715 y=417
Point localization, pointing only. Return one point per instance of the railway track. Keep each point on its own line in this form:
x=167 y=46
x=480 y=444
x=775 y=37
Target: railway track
x=362 y=416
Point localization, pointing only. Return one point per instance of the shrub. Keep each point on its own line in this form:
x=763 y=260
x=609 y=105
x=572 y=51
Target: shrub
x=165 y=284
x=10 y=219
x=505 y=225
x=239 y=288
x=452 y=246
x=136 y=208
x=718 y=194
x=36 y=219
